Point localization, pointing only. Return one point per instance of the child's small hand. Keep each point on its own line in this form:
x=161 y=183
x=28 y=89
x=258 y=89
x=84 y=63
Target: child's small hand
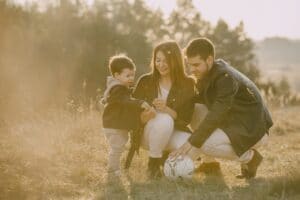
x=147 y=115
x=146 y=106
x=152 y=112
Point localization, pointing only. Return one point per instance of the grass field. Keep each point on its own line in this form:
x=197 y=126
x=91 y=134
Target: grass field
x=62 y=155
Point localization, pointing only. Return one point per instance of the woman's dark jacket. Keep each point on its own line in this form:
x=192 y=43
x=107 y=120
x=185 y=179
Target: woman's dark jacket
x=180 y=98
x=235 y=106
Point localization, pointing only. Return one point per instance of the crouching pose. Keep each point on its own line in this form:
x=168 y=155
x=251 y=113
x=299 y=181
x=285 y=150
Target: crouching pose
x=236 y=120
x=171 y=92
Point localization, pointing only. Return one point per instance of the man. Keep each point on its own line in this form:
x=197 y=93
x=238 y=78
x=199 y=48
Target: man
x=237 y=120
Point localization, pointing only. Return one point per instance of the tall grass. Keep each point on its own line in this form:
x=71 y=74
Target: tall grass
x=62 y=155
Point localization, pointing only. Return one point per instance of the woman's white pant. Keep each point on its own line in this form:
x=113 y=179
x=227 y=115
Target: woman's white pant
x=159 y=135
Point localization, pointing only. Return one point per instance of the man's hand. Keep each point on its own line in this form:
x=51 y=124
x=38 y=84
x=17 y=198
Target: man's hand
x=182 y=151
x=148 y=114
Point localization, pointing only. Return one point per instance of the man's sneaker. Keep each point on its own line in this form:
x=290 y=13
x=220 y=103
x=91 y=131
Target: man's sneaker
x=209 y=168
x=249 y=169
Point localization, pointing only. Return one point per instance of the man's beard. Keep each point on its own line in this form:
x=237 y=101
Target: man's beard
x=204 y=74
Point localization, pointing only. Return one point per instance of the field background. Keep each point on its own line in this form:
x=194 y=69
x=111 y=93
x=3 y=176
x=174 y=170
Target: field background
x=54 y=58
x=62 y=155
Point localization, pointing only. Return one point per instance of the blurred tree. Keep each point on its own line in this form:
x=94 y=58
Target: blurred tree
x=63 y=50
x=284 y=87
x=186 y=23
x=236 y=48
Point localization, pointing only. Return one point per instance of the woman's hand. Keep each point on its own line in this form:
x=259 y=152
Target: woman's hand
x=147 y=114
x=161 y=105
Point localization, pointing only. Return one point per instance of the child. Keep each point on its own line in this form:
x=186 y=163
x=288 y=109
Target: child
x=121 y=112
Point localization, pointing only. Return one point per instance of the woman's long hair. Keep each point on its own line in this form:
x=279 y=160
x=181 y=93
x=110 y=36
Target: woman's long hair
x=174 y=60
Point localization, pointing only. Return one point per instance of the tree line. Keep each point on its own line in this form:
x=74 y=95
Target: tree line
x=61 y=52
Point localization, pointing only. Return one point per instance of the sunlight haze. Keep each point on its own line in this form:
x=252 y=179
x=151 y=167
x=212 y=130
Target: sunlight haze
x=262 y=18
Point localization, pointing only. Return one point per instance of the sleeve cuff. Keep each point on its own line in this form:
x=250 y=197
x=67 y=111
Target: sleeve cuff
x=194 y=141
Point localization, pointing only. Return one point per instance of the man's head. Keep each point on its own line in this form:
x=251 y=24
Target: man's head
x=200 y=55
x=123 y=69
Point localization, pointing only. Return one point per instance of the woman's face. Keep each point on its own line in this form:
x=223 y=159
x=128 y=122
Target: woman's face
x=161 y=64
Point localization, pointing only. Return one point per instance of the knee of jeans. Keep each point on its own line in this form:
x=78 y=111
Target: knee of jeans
x=200 y=110
x=209 y=147
x=164 y=121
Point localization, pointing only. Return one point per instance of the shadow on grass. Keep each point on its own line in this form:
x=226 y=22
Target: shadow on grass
x=202 y=187
x=179 y=189
x=283 y=187
x=113 y=188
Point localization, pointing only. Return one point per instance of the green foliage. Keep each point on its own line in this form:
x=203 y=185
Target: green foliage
x=63 y=51
x=186 y=23
x=234 y=46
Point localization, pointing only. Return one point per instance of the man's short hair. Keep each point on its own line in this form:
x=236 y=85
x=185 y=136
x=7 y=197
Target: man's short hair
x=200 y=46
x=120 y=62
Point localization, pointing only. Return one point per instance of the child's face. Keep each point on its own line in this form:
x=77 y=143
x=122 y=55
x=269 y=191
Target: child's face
x=126 y=77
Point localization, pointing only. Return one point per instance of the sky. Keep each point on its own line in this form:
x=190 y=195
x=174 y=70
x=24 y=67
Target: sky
x=262 y=18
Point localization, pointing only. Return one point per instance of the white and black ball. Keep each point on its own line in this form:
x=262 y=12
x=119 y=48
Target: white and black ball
x=181 y=167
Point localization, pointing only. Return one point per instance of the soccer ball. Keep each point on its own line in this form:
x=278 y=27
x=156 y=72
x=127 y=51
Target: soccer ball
x=181 y=167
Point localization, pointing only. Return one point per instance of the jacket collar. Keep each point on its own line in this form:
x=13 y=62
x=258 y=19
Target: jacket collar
x=205 y=82
x=110 y=83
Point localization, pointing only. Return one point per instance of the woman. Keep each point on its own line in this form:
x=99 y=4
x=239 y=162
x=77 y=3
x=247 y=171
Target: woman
x=170 y=91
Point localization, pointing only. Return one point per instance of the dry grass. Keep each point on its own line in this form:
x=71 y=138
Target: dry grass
x=60 y=155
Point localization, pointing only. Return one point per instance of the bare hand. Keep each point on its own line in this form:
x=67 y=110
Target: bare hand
x=160 y=105
x=148 y=114
x=182 y=151
x=145 y=105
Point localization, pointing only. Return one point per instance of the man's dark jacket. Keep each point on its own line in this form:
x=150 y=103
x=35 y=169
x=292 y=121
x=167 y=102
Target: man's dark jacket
x=234 y=105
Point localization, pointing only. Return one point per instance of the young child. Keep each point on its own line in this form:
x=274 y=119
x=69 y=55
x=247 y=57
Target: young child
x=121 y=112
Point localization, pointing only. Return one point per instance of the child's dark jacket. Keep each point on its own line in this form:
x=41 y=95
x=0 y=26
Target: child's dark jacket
x=121 y=111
